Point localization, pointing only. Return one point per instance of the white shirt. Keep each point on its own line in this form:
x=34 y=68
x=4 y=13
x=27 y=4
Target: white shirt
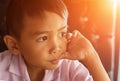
x=13 y=68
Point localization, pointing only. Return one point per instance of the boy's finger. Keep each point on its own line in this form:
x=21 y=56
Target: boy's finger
x=76 y=36
x=76 y=33
x=69 y=36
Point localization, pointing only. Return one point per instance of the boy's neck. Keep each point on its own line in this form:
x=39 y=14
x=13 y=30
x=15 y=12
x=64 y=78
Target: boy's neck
x=36 y=74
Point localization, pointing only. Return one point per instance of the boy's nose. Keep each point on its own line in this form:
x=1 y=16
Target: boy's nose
x=55 y=51
x=55 y=48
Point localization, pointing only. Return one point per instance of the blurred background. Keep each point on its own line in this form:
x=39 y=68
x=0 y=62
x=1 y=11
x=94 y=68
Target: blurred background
x=98 y=20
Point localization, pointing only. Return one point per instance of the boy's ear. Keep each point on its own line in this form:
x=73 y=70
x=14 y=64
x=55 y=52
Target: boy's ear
x=12 y=44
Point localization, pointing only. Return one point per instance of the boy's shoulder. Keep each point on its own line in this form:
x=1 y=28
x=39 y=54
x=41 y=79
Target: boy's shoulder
x=11 y=67
x=5 y=56
x=5 y=59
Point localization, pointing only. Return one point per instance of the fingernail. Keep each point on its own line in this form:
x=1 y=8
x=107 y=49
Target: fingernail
x=75 y=33
x=70 y=34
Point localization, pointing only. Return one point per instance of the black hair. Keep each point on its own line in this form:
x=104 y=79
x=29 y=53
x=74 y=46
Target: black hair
x=17 y=9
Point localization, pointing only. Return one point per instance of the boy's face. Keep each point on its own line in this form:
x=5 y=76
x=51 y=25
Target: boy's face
x=43 y=41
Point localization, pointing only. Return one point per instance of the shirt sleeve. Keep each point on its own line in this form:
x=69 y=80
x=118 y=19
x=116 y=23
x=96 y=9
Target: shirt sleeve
x=77 y=71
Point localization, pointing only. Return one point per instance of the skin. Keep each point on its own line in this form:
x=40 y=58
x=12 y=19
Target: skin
x=46 y=41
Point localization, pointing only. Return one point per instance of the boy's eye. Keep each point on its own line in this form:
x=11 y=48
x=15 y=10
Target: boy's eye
x=41 y=39
x=63 y=34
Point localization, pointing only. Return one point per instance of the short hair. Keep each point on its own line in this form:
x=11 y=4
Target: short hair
x=17 y=9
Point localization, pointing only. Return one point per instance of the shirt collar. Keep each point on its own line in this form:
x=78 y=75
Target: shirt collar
x=18 y=67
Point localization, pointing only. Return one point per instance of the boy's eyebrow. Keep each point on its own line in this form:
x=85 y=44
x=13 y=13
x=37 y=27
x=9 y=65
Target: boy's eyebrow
x=43 y=32
x=40 y=32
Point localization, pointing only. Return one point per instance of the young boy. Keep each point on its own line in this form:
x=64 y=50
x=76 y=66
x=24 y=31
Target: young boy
x=40 y=49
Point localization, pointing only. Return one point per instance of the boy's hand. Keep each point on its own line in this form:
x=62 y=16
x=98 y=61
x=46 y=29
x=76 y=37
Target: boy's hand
x=79 y=48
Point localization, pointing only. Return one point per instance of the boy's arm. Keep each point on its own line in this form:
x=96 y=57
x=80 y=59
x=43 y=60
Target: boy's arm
x=80 y=48
x=96 y=69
